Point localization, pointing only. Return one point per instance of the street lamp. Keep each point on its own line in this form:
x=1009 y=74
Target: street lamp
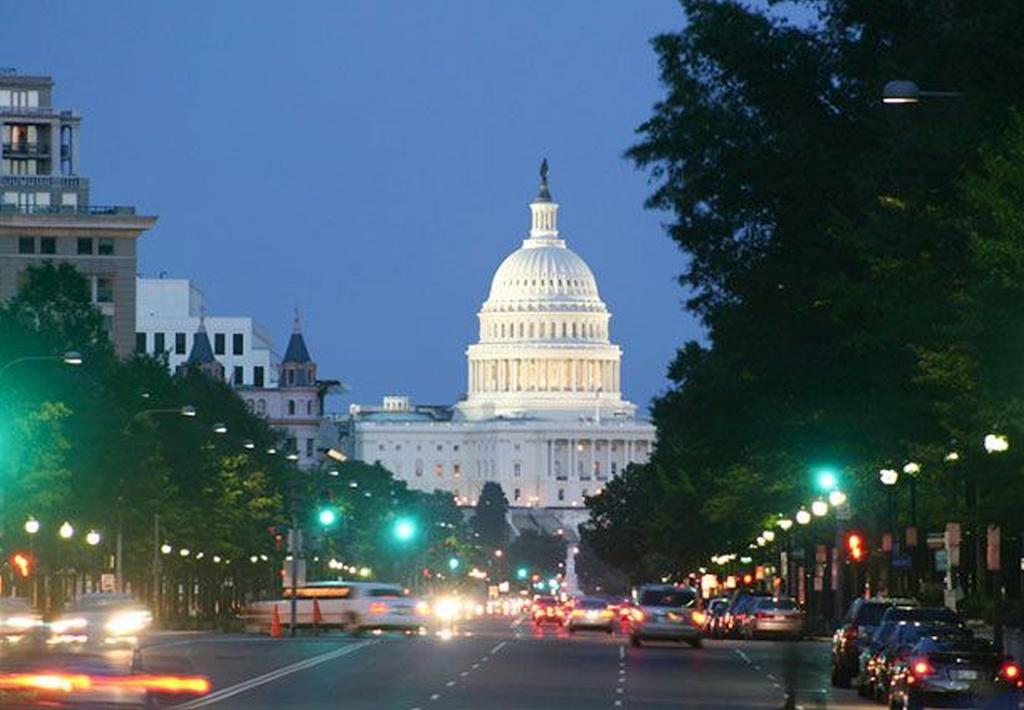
x=803 y=517
x=819 y=508
x=768 y=535
x=761 y=542
x=92 y=538
x=220 y=428
x=166 y=549
x=785 y=524
x=888 y=476
x=836 y=498
x=904 y=91
x=911 y=468
x=66 y=530
x=249 y=444
x=31 y=526
x=292 y=456
x=996 y=443
x=187 y=410
x=71 y=357
x=827 y=479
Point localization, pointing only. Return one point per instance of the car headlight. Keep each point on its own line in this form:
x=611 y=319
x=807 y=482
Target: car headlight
x=21 y=622
x=62 y=626
x=128 y=622
x=447 y=608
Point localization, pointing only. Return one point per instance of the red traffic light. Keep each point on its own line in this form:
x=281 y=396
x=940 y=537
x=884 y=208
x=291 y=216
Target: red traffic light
x=855 y=546
x=748 y=579
x=22 y=563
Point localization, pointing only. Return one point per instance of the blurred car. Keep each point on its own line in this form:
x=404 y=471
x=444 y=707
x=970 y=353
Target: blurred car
x=356 y=607
x=37 y=674
x=854 y=633
x=735 y=616
x=714 y=612
x=102 y=618
x=930 y=614
x=771 y=616
x=898 y=647
x=17 y=617
x=548 y=610
x=667 y=613
x=590 y=614
x=866 y=677
x=956 y=671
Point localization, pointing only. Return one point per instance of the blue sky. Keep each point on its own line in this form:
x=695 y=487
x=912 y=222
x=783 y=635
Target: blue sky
x=371 y=162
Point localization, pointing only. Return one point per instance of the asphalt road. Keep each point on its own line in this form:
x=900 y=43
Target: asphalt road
x=495 y=664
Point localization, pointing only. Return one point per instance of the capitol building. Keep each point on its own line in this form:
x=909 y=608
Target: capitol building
x=544 y=414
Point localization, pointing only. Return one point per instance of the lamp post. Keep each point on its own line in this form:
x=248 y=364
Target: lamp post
x=71 y=357
x=904 y=91
x=889 y=478
x=995 y=444
x=32 y=527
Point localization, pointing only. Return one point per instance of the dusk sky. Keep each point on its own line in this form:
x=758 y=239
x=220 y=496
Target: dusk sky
x=371 y=163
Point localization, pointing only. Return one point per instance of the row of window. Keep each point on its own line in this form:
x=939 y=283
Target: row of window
x=19 y=98
x=529 y=331
x=440 y=447
x=259 y=406
x=219 y=343
x=84 y=246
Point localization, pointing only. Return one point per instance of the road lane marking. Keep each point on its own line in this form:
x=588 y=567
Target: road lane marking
x=475 y=666
x=464 y=674
x=771 y=676
x=742 y=655
x=450 y=683
x=622 y=651
x=435 y=696
x=498 y=647
x=618 y=703
x=233 y=690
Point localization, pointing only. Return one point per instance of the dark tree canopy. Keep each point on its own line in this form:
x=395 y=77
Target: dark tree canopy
x=489 y=520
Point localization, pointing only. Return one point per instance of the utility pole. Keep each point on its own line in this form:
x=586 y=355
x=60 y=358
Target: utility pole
x=156 y=567
x=294 y=548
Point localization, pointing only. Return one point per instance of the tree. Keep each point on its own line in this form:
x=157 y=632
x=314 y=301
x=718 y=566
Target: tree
x=537 y=552
x=489 y=520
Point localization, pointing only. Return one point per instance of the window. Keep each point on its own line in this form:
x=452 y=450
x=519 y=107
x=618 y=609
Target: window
x=218 y=343
x=455 y=447
x=237 y=340
x=47 y=245
x=517 y=469
x=561 y=494
x=558 y=471
x=309 y=407
x=26 y=245
x=179 y=343
x=615 y=468
x=261 y=406
x=257 y=376
x=439 y=470
x=585 y=493
x=84 y=245
x=104 y=289
x=158 y=343
x=419 y=468
x=106 y=247
x=238 y=377
x=456 y=470
x=515 y=494
x=309 y=448
x=140 y=343
x=291 y=406
x=292 y=445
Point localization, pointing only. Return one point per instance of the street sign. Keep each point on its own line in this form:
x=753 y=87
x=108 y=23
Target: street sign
x=936 y=541
x=941 y=561
x=108 y=582
x=820 y=554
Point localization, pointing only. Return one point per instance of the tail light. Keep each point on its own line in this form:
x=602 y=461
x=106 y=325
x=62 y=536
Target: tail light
x=1011 y=672
x=638 y=615
x=378 y=608
x=607 y=614
x=81 y=683
x=764 y=615
x=699 y=617
x=851 y=633
x=577 y=612
x=919 y=668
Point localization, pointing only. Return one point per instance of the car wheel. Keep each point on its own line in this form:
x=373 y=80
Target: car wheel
x=696 y=643
x=634 y=640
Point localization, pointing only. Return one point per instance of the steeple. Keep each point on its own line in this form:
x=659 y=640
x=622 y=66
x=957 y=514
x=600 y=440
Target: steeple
x=201 y=355
x=544 y=212
x=297 y=367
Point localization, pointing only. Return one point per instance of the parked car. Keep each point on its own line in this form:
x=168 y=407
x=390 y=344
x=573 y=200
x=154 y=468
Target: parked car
x=667 y=613
x=854 y=633
x=773 y=616
x=899 y=646
x=955 y=671
x=735 y=616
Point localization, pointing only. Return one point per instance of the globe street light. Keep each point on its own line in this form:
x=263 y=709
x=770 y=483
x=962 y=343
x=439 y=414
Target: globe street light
x=888 y=476
x=996 y=443
x=836 y=498
x=819 y=508
x=166 y=549
x=92 y=538
x=785 y=524
x=911 y=468
x=66 y=531
x=803 y=517
x=768 y=535
x=31 y=526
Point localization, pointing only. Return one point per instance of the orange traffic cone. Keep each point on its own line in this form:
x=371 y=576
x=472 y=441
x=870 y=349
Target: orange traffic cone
x=275 y=624
x=318 y=618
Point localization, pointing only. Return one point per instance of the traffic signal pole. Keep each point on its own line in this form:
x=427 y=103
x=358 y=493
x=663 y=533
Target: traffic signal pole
x=294 y=546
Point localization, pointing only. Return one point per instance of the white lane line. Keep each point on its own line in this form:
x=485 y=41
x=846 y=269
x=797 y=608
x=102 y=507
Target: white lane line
x=771 y=677
x=475 y=666
x=622 y=651
x=742 y=655
x=618 y=703
x=619 y=690
x=450 y=683
x=757 y=667
x=233 y=690
x=498 y=647
x=435 y=696
x=464 y=674
x=776 y=685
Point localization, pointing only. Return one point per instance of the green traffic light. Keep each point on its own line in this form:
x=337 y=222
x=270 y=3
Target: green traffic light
x=327 y=517
x=453 y=563
x=522 y=573
x=405 y=529
x=827 y=480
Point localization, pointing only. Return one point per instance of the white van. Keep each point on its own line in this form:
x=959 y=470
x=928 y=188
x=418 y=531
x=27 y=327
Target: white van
x=351 y=606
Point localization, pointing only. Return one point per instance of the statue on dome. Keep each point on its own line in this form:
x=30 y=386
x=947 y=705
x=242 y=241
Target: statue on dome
x=544 y=170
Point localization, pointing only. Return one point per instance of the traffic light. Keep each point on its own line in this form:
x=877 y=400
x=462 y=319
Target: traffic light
x=21 y=563
x=826 y=479
x=453 y=563
x=327 y=516
x=522 y=573
x=404 y=529
x=855 y=546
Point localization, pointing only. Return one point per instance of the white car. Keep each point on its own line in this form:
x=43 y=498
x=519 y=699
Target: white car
x=102 y=618
x=352 y=606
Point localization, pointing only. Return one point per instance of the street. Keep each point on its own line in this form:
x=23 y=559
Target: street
x=497 y=663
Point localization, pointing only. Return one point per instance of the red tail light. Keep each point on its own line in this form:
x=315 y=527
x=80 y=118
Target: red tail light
x=920 y=667
x=764 y=615
x=699 y=617
x=1011 y=672
x=378 y=608
x=851 y=632
x=80 y=683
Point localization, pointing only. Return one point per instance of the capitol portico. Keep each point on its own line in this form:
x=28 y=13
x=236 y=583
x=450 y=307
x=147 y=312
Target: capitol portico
x=544 y=414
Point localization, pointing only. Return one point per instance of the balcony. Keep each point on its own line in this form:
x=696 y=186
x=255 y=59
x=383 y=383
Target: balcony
x=49 y=181
x=42 y=111
x=24 y=149
x=68 y=209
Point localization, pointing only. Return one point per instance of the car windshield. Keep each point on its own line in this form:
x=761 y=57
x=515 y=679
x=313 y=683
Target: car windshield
x=904 y=613
x=671 y=597
x=779 y=604
x=871 y=613
x=591 y=604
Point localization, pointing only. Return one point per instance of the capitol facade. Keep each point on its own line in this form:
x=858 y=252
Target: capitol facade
x=544 y=414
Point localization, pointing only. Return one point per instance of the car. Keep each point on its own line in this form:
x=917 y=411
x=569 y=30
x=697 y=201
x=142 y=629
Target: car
x=773 y=616
x=854 y=633
x=714 y=613
x=957 y=670
x=899 y=646
x=590 y=614
x=355 y=607
x=17 y=617
x=104 y=618
x=866 y=676
x=667 y=613
x=548 y=610
x=930 y=614
x=735 y=616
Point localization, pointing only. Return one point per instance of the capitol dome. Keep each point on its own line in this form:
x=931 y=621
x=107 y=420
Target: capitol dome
x=544 y=345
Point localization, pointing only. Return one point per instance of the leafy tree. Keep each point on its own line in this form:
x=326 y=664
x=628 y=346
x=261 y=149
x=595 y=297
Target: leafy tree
x=538 y=552
x=489 y=521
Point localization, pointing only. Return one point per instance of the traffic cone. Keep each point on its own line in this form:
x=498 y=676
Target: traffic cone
x=318 y=618
x=275 y=624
